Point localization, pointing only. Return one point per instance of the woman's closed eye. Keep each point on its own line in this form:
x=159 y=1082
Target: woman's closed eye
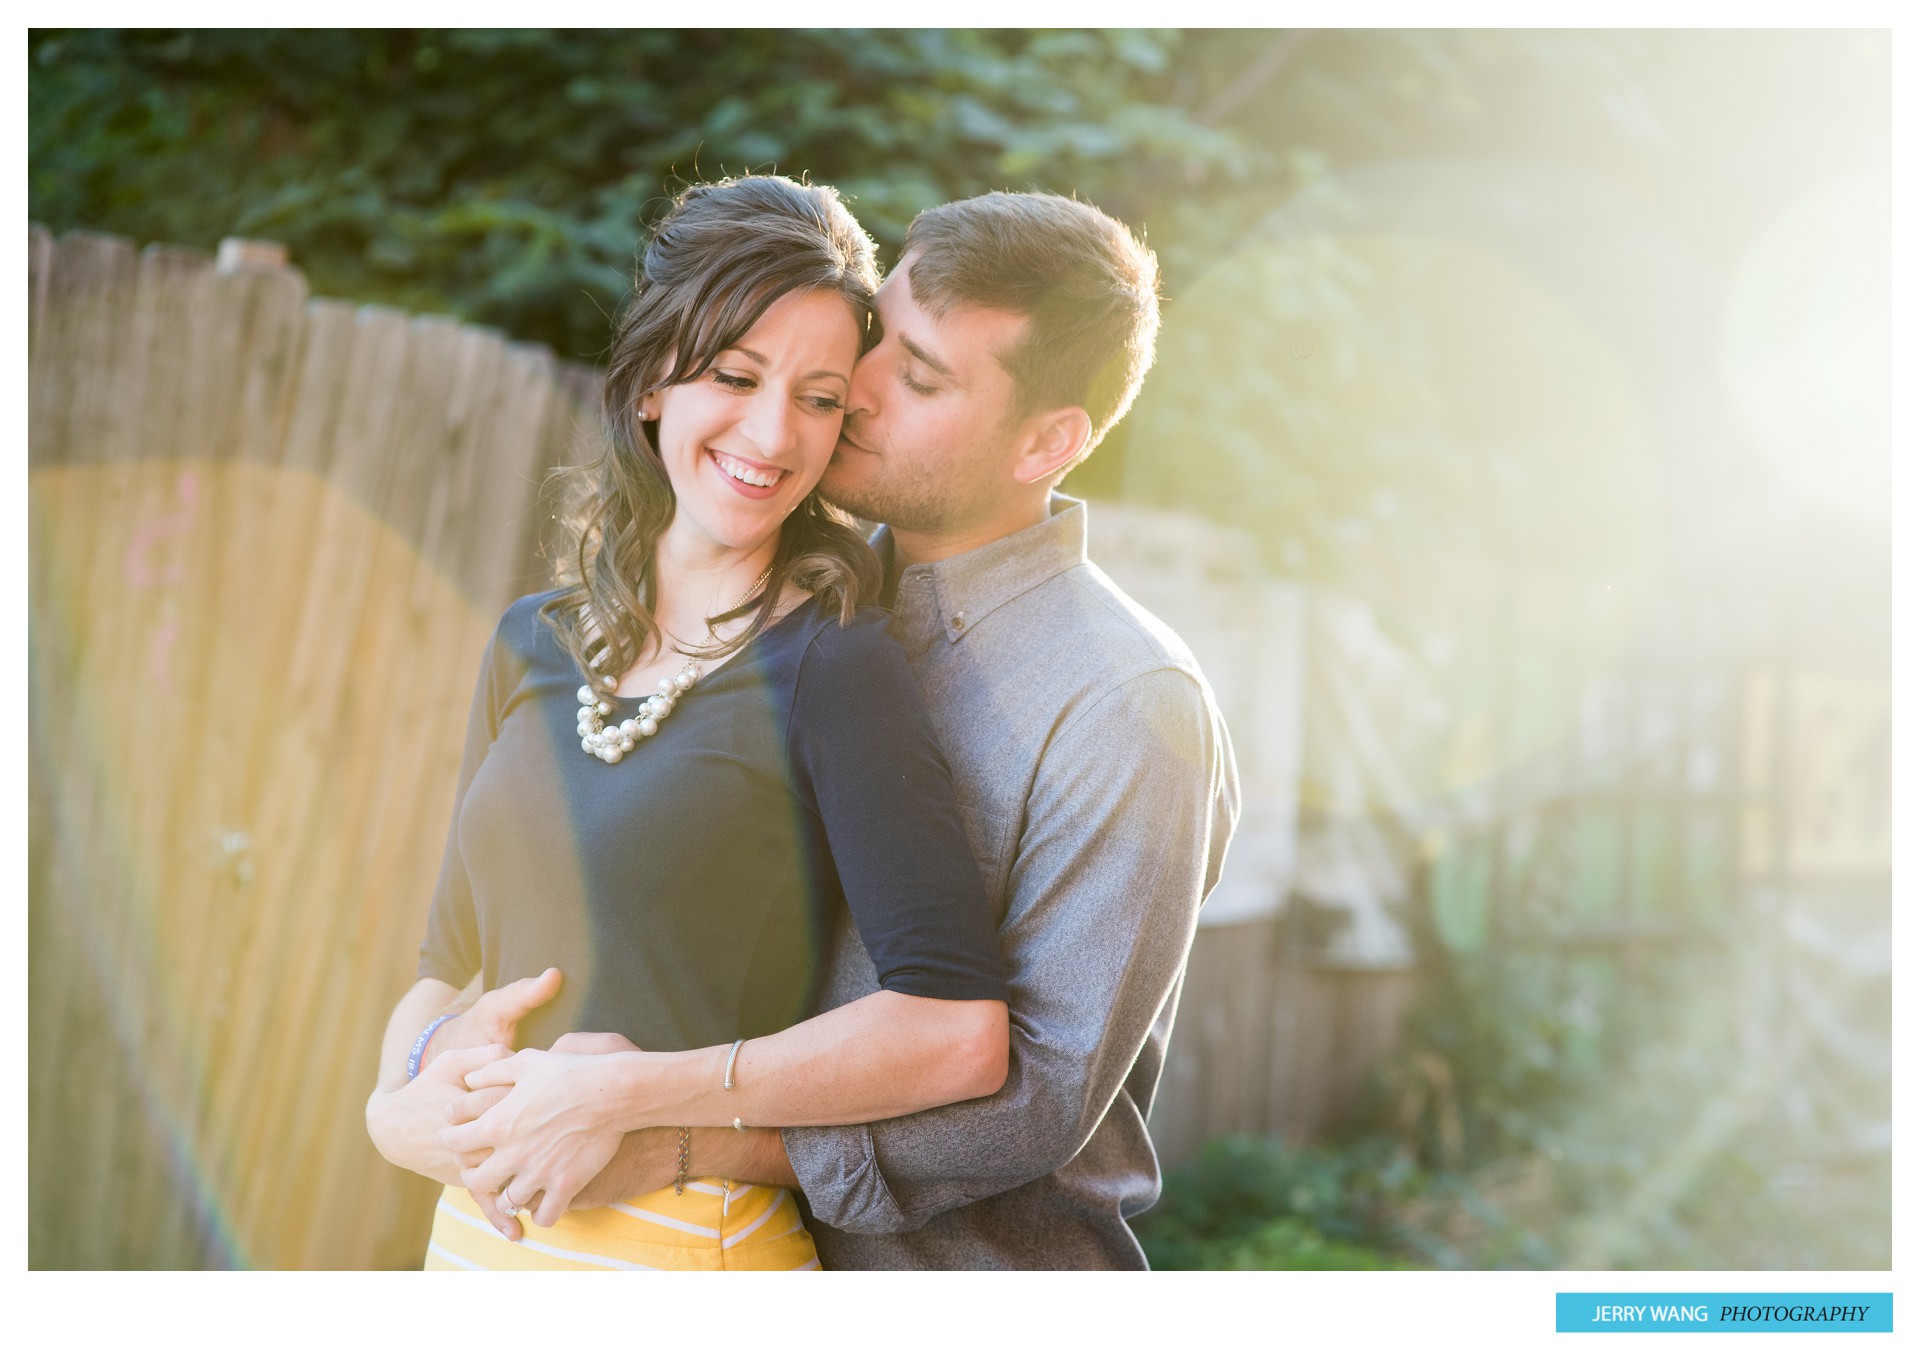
x=746 y=384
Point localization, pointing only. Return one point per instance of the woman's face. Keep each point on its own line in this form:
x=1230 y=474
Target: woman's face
x=747 y=440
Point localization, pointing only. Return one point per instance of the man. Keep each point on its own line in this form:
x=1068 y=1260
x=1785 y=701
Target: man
x=1092 y=769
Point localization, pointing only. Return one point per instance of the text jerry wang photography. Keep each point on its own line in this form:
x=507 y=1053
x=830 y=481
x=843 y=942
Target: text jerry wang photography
x=945 y=649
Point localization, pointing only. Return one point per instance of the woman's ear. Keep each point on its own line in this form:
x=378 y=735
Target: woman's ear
x=649 y=406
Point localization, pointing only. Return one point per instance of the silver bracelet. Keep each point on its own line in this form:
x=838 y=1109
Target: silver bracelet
x=727 y=1081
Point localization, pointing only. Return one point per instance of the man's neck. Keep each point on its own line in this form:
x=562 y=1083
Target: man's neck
x=931 y=546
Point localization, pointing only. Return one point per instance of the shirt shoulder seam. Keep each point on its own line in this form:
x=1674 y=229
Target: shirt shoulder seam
x=1093 y=705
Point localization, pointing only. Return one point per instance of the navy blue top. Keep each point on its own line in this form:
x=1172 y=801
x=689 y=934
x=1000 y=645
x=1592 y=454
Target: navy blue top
x=688 y=892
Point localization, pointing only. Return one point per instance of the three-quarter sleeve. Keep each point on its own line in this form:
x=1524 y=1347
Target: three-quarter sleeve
x=865 y=757
x=451 y=949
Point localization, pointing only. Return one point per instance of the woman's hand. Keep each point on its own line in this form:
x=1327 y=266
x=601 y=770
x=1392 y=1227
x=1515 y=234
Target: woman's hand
x=405 y=1123
x=552 y=1133
x=494 y=1018
x=630 y=1172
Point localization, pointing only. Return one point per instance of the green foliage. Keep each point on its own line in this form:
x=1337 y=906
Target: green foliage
x=504 y=175
x=1249 y=1203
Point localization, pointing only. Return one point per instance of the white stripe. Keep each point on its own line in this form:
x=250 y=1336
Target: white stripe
x=765 y=1215
x=593 y=1259
x=793 y=1228
x=745 y=1189
x=453 y=1257
x=811 y=1264
x=682 y=1225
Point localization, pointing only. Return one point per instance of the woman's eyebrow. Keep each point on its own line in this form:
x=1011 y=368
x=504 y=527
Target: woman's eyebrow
x=759 y=360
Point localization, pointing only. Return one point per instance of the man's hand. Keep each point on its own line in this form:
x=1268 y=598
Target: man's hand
x=494 y=1019
x=645 y=1162
x=405 y=1124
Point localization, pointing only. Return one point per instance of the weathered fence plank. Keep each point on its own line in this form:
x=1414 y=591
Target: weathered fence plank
x=307 y=819
x=269 y=308
x=122 y=390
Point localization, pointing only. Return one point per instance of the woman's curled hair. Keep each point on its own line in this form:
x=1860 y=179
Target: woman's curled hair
x=715 y=263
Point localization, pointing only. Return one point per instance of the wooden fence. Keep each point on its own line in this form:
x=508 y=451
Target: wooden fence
x=269 y=538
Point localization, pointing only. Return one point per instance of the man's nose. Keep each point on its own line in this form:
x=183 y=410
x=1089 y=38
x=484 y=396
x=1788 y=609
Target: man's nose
x=863 y=391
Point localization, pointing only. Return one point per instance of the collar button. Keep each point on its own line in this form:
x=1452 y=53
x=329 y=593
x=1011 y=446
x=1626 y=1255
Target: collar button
x=959 y=621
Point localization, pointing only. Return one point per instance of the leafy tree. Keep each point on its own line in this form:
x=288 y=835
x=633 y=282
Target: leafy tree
x=504 y=175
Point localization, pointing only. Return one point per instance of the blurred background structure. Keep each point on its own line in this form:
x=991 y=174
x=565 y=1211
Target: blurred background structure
x=1517 y=462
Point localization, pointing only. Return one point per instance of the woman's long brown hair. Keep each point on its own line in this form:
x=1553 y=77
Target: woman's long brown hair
x=714 y=265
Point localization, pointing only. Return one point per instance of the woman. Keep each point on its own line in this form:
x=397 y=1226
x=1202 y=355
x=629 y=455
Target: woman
x=755 y=756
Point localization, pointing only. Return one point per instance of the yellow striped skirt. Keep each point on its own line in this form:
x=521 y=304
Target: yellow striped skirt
x=712 y=1226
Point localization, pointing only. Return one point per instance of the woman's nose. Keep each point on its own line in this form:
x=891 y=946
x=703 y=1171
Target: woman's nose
x=772 y=425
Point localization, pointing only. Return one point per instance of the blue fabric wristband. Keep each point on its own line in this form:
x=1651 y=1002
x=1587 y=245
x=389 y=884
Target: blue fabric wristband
x=420 y=1044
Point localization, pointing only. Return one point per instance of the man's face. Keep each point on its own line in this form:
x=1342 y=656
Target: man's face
x=927 y=444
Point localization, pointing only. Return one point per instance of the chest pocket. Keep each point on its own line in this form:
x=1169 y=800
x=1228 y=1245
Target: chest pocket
x=992 y=834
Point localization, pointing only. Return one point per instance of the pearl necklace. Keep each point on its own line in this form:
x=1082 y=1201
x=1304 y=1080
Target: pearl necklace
x=613 y=744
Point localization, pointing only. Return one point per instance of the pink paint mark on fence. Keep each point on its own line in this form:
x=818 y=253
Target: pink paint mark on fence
x=158 y=652
x=157 y=529
x=141 y=570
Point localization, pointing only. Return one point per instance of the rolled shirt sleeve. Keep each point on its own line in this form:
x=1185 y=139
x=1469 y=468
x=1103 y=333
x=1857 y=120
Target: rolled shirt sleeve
x=1125 y=830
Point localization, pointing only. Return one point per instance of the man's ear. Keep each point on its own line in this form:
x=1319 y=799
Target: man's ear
x=1050 y=441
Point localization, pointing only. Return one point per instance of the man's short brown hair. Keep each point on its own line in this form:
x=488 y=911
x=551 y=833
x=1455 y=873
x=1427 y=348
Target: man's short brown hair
x=1089 y=290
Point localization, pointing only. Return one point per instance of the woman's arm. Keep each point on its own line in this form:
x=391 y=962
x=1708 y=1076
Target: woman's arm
x=405 y=1116
x=564 y=1118
x=427 y=1000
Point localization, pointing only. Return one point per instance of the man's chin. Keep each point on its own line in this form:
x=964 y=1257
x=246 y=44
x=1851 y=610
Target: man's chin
x=841 y=487
x=853 y=503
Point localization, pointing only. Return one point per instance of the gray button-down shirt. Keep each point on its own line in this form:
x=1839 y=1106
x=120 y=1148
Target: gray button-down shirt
x=1098 y=786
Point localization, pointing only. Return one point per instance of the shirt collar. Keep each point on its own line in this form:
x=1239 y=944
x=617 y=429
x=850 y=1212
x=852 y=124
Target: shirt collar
x=970 y=586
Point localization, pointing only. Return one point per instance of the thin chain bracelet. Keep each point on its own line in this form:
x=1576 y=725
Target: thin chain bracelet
x=686 y=1149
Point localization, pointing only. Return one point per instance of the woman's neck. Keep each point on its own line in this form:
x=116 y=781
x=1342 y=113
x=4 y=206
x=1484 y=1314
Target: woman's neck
x=697 y=578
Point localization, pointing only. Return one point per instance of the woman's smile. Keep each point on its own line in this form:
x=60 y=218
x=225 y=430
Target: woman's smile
x=749 y=478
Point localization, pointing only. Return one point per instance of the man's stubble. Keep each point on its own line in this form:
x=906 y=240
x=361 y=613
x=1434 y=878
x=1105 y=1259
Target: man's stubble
x=921 y=504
